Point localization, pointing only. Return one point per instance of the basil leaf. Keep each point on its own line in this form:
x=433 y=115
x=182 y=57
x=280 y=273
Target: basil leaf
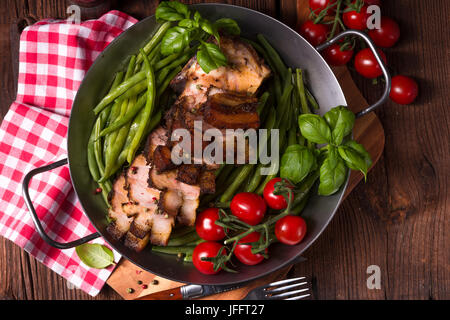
x=175 y=40
x=229 y=25
x=172 y=11
x=186 y=23
x=210 y=57
x=209 y=28
x=355 y=157
x=197 y=18
x=332 y=173
x=314 y=128
x=296 y=163
x=341 y=121
x=95 y=255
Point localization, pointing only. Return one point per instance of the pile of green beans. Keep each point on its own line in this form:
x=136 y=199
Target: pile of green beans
x=131 y=109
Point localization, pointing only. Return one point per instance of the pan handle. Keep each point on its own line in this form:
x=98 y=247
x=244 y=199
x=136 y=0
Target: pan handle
x=386 y=75
x=34 y=216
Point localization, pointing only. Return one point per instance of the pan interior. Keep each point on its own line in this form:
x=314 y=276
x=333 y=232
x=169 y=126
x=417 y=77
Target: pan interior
x=296 y=53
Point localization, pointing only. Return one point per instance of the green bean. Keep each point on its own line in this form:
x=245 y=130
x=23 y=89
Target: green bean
x=181 y=231
x=174 y=250
x=190 y=237
x=274 y=56
x=176 y=63
x=262 y=102
x=284 y=105
x=92 y=164
x=119 y=90
x=163 y=86
x=312 y=101
x=133 y=91
x=244 y=171
x=127 y=117
x=155 y=40
x=256 y=177
x=147 y=111
x=154 y=121
x=301 y=92
x=117 y=147
x=163 y=62
x=218 y=171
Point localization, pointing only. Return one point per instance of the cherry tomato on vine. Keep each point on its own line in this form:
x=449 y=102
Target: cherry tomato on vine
x=319 y=5
x=404 y=90
x=290 y=229
x=206 y=227
x=388 y=33
x=243 y=252
x=367 y=65
x=337 y=57
x=314 y=33
x=207 y=249
x=277 y=202
x=248 y=207
x=356 y=20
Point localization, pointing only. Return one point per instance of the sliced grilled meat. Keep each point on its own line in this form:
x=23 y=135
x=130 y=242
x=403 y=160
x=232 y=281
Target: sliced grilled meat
x=162 y=159
x=207 y=182
x=188 y=173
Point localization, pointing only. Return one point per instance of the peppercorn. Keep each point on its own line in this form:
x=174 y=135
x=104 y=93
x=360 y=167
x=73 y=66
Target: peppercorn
x=130 y=290
x=98 y=190
x=139 y=282
x=155 y=282
x=144 y=286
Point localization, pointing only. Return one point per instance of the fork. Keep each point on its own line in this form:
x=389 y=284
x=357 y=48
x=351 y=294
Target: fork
x=288 y=289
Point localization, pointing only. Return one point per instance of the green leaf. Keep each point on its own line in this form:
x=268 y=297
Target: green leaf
x=197 y=18
x=341 y=121
x=229 y=25
x=172 y=11
x=332 y=173
x=296 y=163
x=175 y=40
x=314 y=128
x=355 y=157
x=95 y=255
x=209 y=28
x=210 y=57
x=186 y=23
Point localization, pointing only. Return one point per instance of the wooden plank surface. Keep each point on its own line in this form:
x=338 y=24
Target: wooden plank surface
x=398 y=220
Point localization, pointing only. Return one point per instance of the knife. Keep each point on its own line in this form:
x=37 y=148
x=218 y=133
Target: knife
x=193 y=291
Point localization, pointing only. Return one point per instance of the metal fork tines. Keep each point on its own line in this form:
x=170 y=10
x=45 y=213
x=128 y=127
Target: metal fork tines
x=289 y=289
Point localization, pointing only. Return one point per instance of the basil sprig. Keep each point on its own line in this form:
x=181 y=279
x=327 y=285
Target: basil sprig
x=336 y=155
x=194 y=28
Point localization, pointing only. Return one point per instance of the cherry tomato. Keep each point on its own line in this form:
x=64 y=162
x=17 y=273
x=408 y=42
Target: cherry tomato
x=290 y=230
x=207 y=249
x=314 y=33
x=367 y=65
x=243 y=252
x=319 y=5
x=337 y=57
x=206 y=227
x=388 y=33
x=356 y=20
x=248 y=207
x=404 y=90
x=277 y=202
x=372 y=2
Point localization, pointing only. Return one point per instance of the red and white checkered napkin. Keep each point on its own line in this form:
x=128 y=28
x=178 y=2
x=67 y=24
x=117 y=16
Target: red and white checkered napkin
x=54 y=57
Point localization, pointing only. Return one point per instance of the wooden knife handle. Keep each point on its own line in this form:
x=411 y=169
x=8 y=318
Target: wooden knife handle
x=170 y=294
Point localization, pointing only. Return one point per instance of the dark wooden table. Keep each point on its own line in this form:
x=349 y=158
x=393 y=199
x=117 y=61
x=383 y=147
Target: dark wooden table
x=398 y=220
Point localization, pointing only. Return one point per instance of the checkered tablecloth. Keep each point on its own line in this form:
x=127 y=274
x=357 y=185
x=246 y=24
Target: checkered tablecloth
x=54 y=57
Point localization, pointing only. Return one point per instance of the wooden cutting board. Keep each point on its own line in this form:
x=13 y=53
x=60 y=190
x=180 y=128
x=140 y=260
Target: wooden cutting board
x=368 y=131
